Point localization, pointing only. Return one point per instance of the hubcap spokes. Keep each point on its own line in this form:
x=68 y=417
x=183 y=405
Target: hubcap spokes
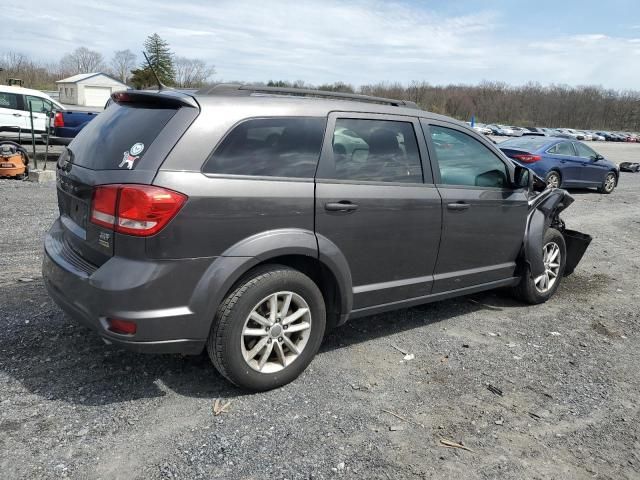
x=609 y=183
x=554 y=181
x=551 y=259
x=276 y=332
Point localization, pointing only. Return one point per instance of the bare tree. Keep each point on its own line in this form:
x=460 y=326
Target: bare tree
x=122 y=63
x=192 y=73
x=18 y=65
x=82 y=60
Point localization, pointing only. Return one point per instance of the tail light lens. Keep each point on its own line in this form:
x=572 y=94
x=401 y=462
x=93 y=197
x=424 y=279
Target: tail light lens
x=527 y=158
x=103 y=207
x=58 y=120
x=139 y=210
x=123 y=327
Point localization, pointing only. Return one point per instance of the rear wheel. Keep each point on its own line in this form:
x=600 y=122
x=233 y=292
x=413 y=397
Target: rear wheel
x=268 y=329
x=542 y=287
x=553 y=179
x=609 y=183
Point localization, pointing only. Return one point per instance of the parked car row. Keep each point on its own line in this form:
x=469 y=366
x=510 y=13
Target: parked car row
x=588 y=135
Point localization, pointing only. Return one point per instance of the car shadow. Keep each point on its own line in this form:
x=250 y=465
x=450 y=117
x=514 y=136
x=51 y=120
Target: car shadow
x=54 y=357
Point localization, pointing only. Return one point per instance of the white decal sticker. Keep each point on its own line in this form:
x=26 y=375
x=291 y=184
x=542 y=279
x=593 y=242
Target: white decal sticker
x=137 y=148
x=131 y=155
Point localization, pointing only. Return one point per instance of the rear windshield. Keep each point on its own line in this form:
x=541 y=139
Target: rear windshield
x=119 y=137
x=527 y=143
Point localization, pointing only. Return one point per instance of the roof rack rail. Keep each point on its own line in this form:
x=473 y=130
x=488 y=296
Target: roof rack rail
x=232 y=89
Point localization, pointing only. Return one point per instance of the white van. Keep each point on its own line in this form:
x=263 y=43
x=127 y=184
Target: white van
x=14 y=110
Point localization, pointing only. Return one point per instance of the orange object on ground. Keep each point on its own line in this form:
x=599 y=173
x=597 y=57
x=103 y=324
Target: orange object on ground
x=13 y=160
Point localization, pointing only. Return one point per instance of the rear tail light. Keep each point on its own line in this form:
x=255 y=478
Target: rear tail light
x=139 y=210
x=58 y=120
x=528 y=158
x=123 y=327
x=103 y=207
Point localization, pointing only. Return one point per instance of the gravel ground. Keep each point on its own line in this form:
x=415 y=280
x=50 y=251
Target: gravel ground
x=550 y=391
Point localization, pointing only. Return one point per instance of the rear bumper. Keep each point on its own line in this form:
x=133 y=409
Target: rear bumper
x=156 y=295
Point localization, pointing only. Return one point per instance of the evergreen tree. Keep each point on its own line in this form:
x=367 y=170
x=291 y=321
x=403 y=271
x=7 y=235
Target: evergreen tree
x=161 y=57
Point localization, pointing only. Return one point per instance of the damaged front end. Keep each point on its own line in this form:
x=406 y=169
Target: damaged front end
x=544 y=212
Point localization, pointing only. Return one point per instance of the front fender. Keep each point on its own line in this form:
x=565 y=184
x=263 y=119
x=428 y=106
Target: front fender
x=543 y=212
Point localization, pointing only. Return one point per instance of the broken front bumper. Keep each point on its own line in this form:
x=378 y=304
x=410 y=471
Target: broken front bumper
x=577 y=244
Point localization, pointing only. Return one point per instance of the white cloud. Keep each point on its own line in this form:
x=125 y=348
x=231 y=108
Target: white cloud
x=325 y=40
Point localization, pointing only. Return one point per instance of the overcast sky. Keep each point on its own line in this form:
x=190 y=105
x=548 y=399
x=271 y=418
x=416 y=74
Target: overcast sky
x=573 y=42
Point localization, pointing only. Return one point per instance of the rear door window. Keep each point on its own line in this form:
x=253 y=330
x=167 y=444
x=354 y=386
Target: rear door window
x=271 y=147
x=374 y=151
x=119 y=137
x=563 y=148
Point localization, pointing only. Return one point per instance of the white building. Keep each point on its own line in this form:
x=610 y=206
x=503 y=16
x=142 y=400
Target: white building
x=88 y=89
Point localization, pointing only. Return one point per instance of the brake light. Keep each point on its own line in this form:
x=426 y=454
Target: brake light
x=58 y=120
x=528 y=158
x=139 y=210
x=121 y=97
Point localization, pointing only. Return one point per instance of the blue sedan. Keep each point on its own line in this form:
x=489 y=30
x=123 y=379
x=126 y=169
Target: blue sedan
x=563 y=162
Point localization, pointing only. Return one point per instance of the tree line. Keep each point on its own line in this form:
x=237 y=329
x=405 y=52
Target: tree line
x=530 y=105
x=124 y=65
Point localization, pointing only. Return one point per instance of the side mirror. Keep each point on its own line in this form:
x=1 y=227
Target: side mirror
x=598 y=157
x=523 y=178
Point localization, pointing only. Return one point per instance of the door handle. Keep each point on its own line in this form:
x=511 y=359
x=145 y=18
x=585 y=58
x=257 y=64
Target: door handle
x=563 y=161
x=17 y=115
x=342 y=206
x=458 y=206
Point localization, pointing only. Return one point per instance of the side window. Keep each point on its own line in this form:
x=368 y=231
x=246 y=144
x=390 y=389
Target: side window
x=8 y=100
x=39 y=105
x=373 y=150
x=463 y=160
x=564 y=148
x=273 y=147
x=584 y=151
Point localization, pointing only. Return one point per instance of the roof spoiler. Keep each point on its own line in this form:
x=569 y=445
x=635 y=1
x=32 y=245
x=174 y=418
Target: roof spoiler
x=167 y=98
x=247 y=90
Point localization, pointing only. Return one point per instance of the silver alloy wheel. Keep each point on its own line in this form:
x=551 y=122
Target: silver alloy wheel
x=276 y=332
x=551 y=259
x=609 y=182
x=553 y=180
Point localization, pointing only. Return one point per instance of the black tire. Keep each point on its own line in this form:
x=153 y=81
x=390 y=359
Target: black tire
x=609 y=183
x=526 y=290
x=553 y=174
x=225 y=339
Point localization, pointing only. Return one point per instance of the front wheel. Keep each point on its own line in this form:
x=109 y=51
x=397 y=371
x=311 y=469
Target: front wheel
x=553 y=179
x=268 y=329
x=608 y=184
x=541 y=288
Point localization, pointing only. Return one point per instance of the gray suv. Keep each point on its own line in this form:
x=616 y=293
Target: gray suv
x=250 y=220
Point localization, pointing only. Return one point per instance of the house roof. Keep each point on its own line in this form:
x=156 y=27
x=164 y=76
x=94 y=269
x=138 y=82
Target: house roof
x=84 y=76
